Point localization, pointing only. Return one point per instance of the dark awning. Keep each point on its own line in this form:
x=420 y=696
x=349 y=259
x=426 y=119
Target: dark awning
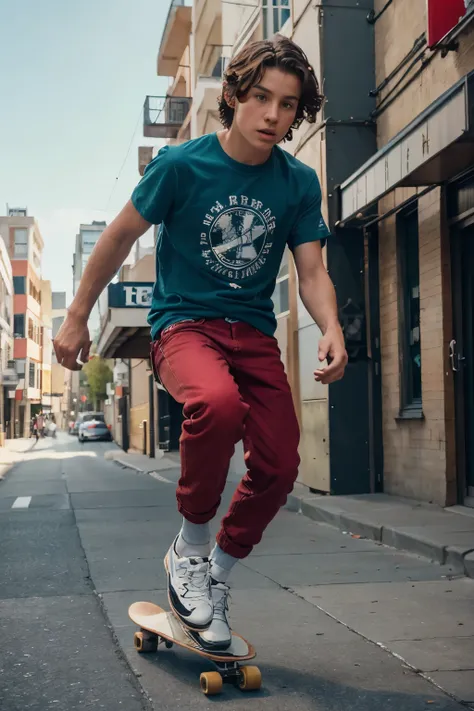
x=435 y=147
x=125 y=332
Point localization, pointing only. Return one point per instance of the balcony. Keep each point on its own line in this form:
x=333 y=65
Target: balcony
x=206 y=94
x=163 y=116
x=175 y=37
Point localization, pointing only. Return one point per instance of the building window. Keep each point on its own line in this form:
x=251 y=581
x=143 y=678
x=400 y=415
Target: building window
x=19 y=285
x=31 y=333
x=409 y=312
x=32 y=375
x=35 y=293
x=21 y=243
x=19 y=326
x=20 y=367
x=275 y=14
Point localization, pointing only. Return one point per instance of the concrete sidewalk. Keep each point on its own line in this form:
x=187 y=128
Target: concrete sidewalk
x=142 y=463
x=12 y=453
x=445 y=536
x=339 y=622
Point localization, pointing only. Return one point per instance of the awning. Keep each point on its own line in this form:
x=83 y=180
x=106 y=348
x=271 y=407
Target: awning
x=125 y=332
x=435 y=147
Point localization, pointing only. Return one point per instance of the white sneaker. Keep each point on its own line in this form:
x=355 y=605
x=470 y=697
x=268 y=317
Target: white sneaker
x=218 y=635
x=189 y=589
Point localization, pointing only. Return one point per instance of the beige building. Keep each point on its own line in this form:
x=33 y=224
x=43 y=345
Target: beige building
x=60 y=377
x=7 y=377
x=46 y=345
x=124 y=337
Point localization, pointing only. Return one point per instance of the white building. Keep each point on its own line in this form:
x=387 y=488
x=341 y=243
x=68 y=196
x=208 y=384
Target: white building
x=6 y=337
x=85 y=243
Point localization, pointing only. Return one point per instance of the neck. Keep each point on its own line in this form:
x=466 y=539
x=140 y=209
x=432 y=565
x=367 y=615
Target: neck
x=235 y=145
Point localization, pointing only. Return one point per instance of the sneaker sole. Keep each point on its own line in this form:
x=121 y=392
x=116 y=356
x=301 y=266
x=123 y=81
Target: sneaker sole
x=184 y=622
x=212 y=647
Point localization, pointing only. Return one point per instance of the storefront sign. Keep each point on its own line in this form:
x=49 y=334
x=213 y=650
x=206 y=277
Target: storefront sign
x=133 y=295
x=444 y=15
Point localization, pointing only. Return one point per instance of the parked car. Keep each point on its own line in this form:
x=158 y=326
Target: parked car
x=75 y=426
x=94 y=427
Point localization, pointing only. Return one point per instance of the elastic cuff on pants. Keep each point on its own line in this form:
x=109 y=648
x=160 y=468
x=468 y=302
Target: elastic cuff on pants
x=196 y=518
x=233 y=549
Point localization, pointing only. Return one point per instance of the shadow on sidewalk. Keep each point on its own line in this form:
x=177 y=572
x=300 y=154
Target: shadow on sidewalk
x=298 y=686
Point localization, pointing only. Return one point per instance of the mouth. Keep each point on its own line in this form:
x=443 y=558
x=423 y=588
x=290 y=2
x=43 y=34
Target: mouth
x=267 y=133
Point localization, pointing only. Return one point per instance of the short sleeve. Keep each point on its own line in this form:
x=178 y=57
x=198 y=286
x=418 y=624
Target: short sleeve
x=154 y=195
x=309 y=225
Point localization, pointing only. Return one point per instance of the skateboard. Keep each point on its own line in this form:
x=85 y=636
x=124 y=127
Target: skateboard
x=158 y=626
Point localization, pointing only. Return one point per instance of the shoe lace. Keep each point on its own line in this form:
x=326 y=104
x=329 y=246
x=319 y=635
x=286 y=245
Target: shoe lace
x=196 y=577
x=221 y=604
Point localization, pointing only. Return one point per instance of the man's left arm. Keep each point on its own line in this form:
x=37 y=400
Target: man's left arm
x=319 y=297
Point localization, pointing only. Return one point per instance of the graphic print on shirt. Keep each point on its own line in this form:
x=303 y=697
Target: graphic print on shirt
x=238 y=238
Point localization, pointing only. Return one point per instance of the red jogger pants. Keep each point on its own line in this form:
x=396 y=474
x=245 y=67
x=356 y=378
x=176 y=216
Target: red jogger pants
x=232 y=384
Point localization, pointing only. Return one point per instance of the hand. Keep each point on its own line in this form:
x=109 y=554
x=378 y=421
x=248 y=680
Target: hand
x=332 y=349
x=72 y=341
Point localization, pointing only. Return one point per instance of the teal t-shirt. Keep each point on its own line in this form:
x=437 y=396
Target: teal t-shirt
x=224 y=226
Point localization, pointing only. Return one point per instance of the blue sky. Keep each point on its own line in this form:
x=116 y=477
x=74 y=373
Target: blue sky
x=74 y=78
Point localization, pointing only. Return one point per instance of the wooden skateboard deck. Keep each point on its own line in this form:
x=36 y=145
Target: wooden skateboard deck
x=158 y=625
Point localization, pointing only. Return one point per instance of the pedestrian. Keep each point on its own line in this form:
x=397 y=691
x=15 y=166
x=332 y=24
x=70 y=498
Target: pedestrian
x=40 y=424
x=228 y=204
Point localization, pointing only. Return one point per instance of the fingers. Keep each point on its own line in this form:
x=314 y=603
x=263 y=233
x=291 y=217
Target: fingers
x=67 y=357
x=322 y=351
x=333 y=372
x=85 y=352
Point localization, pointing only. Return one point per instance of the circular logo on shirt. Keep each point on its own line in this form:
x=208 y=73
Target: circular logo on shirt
x=237 y=237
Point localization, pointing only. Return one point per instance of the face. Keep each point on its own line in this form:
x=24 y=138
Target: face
x=264 y=116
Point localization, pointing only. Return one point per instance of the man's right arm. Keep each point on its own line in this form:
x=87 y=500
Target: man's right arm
x=108 y=255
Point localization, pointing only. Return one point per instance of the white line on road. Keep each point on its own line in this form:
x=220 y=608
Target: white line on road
x=155 y=475
x=21 y=502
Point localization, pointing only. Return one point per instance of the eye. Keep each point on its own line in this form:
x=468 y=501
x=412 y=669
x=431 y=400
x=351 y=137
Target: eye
x=260 y=97
x=287 y=105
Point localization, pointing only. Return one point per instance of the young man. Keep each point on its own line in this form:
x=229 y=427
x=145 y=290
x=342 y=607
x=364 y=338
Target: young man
x=228 y=204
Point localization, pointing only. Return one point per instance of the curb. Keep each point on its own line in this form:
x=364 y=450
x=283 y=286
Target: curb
x=128 y=465
x=4 y=469
x=460 y=558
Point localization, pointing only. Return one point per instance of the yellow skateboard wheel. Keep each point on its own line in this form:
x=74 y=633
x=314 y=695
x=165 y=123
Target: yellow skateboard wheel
x=145 y=642
x=250 y=679
x=211 y=683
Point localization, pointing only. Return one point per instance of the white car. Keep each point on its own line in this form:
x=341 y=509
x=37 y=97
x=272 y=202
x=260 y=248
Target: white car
x=94 y=427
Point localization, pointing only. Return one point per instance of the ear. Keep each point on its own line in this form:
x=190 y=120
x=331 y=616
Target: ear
x=230 y=100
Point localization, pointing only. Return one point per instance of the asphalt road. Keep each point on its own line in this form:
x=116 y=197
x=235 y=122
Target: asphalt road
x=81 y=538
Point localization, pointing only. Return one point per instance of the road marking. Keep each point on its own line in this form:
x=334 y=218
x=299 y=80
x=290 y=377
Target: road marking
x=155 y=475
x=21 y=502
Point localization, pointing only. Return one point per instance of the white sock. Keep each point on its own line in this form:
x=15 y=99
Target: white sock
x=221 y=564
x=193 y=540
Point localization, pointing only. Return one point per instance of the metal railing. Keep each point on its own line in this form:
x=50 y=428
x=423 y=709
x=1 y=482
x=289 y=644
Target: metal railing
x=165 y=112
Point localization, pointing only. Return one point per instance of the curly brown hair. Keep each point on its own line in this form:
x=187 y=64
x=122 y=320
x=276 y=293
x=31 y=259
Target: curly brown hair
x=248 y=67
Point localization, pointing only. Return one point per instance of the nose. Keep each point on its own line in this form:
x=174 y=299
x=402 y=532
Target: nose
x=272 y=112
